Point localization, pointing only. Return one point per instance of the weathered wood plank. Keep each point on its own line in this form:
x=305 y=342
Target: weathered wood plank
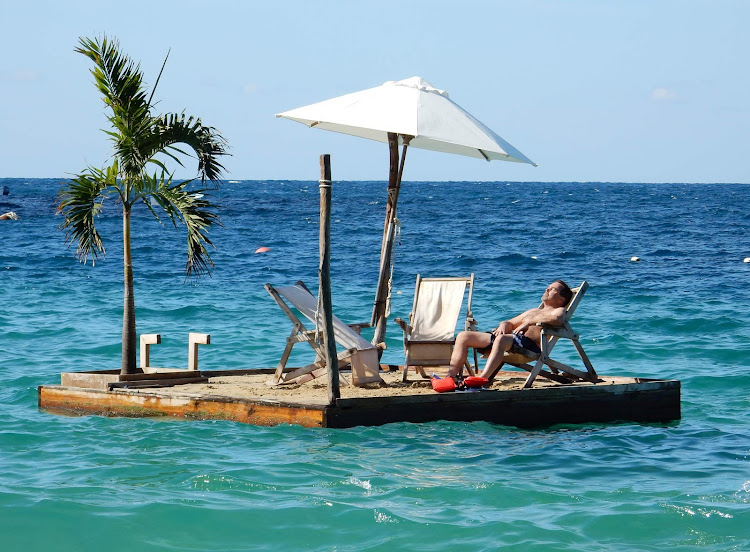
x=89 y=380
x=122 y=403
x=657 y=401
x=160 y=382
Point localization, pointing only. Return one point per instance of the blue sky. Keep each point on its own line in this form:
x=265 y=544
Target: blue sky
x=615 y=91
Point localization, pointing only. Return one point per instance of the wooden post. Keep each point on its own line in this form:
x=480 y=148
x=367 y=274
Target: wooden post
x=324 y=279
x=195 y=339
x=146 y=341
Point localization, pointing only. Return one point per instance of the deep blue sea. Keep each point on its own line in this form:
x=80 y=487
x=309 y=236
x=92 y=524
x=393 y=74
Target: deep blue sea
x=96 y=483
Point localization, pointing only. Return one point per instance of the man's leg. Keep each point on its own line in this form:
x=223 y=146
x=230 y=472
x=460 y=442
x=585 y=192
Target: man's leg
x=495 y=360
x=464 y=340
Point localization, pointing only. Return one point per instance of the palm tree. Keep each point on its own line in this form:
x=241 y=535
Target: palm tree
x=141 y=138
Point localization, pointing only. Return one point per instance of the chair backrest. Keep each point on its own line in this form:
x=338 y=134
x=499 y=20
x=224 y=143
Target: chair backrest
x=578 y=292
x=306 y=303
x=576 y=299
x=437 y=305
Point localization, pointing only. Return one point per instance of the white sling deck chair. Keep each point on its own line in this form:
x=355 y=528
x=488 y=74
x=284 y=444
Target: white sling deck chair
x=430 y=333
x=360 y=353
x=550 y=336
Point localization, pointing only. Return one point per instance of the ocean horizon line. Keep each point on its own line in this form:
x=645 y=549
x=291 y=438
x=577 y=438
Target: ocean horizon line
x=470 y=181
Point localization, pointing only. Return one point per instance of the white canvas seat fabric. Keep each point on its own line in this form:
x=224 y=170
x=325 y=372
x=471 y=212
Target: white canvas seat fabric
x=429 y=335
x=437 y=310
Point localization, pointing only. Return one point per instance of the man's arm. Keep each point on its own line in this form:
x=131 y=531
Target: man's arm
x=551 y=317
x=512 y=325
x=505 y=327
x=520 y=323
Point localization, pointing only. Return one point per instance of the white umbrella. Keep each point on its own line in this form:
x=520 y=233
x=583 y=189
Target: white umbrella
x=410 y=112
x=409 y=107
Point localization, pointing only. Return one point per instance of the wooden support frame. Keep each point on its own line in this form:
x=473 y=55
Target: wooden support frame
x=300 y=334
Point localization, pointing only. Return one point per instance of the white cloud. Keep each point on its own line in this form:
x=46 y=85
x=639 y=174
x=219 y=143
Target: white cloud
x=663 y=95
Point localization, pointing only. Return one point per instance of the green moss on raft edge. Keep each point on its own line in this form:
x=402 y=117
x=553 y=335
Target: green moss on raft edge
x=90 y=409
x=206 y=415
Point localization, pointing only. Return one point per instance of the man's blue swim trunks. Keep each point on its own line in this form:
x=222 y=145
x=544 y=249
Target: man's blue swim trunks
x=521 y=344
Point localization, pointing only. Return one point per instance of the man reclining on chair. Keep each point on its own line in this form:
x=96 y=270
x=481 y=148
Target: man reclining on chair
x=513 y=335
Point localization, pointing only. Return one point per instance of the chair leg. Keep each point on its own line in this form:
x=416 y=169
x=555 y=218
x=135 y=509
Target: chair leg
x=293 y=376
x=546 y=345
x=586 y=361
x=533 y=374
x=494 y=372
x=546 y=350
x=557 y=367
x=405 y=375
x=282 y=363
x=469 y=368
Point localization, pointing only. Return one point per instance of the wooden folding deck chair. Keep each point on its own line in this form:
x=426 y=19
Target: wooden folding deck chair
x=429 y=335
x=550 y=336
x=359 y=353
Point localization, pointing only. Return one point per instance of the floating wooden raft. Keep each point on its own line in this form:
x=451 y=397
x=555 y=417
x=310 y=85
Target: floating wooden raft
x=617 y=399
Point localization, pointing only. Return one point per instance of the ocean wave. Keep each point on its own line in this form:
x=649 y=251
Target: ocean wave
x=676 y=314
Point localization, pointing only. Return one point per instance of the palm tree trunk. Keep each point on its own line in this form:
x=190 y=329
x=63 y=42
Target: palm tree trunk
x=128 y=311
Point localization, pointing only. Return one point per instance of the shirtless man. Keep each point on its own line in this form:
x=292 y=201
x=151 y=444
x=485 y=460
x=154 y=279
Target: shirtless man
x=519 y=332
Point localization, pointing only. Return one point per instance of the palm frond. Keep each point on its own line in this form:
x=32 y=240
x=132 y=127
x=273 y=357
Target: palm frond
x=141 y=138
x=156 y=84
x=118 y=78
x=80 y=202
x=159 y=164
x=206 y=142
x=191 y=208
x=120 y=81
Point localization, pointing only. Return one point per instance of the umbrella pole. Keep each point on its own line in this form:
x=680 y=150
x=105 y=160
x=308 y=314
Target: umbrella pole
x=378 y=311
x=393 y=188
x=386 y=249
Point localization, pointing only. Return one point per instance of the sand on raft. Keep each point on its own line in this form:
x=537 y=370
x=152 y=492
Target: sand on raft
x=256 y=386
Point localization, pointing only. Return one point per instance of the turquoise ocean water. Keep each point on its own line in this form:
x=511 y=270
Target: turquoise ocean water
x=95 y=483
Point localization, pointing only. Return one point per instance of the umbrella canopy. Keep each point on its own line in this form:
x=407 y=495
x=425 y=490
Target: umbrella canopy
x=409 y=107
x=410 y=112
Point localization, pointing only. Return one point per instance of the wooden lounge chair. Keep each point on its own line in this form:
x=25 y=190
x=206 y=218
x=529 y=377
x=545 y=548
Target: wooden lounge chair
x=430 y=333
x=550 y=336
x=359 y=353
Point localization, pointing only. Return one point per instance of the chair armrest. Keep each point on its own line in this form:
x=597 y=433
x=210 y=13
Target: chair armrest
x=358 y=327
x=403 y=325
x=559 y=332
x=433 y=342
